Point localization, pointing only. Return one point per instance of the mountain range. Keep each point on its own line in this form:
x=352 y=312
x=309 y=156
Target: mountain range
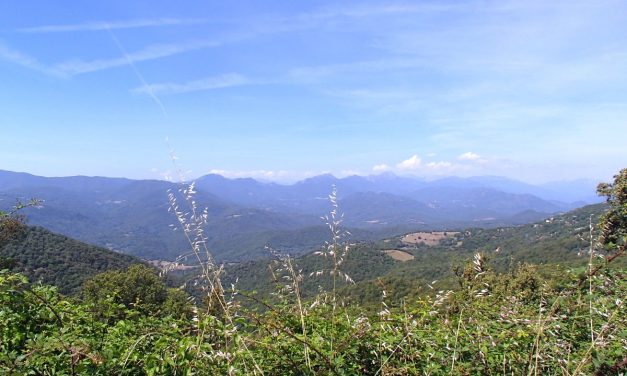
x=131 y=216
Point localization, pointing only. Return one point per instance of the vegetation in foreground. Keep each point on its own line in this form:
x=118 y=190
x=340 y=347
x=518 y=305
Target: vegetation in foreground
x=521 y=322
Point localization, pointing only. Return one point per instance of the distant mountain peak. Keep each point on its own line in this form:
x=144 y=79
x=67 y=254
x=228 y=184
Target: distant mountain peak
x=328 y=177
x=383 y=175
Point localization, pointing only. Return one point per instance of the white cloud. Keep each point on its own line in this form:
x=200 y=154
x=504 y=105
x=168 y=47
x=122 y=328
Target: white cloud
x=111 y=25
x=474 y=158
x=442 y=165
x=209 y=83
x=469 y=156
x=282 y=176
x=413 y=163
x=416 y=166
x=380 y=167
x=218 y=171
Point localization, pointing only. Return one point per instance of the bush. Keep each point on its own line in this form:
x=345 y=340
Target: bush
x=138 y=288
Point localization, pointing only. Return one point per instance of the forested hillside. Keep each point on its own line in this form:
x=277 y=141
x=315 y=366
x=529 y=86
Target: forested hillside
x=57 y=260
x=561 y=241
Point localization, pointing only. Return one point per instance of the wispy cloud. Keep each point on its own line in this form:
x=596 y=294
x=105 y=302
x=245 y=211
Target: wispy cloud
x=414 y=165
x=157 y=51
x=379 y=10
x=19 y=58
x=139 y=75
x=308 y=74
x=112 y=25
x=209 y=83
x=75 y=67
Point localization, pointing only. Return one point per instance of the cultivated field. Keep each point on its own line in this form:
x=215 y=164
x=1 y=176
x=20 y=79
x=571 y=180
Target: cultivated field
x=399 y=255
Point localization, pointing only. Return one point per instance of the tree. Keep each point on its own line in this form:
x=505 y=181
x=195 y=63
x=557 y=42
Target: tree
x=138 y=288
x=11 y=225
x=614 y=222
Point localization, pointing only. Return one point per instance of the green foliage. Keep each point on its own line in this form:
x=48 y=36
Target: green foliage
x=58 y=260
x=139 y=288
x=614 y=221
x=7 y=263
x=12 y=223
x=520 y=323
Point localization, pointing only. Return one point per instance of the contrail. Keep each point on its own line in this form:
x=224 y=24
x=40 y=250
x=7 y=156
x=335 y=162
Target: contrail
x=99 y=25
x=137 y=72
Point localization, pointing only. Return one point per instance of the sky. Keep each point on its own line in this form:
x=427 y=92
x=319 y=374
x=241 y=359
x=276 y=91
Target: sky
x=282 y=90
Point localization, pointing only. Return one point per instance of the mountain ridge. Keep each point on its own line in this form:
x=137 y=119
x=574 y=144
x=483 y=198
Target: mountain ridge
x=132 y=215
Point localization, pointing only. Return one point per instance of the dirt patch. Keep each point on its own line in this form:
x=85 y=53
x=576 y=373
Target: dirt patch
x=428 y=238
x=399 y=255
x=168 y=265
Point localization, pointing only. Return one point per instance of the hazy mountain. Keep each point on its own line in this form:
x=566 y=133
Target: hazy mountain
x=498 y=183
x=10 y=180
x=472 y=202
x=133 y=217
x=369 y=209
x=244 y=214
x=368 y=200
x=309 y=195
x=581 y=190
x=244 y=191
x=574 y=193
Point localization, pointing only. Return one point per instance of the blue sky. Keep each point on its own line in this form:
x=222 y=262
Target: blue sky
x=534 y=90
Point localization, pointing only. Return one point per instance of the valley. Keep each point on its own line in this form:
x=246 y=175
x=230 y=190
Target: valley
x=131 y=217
x=245 y=215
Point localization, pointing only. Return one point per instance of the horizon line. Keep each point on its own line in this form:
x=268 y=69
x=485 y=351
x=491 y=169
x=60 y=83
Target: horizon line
x=313 y=176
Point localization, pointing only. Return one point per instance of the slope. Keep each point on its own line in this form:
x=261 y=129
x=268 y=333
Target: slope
x=58 y=260
x=560 y=240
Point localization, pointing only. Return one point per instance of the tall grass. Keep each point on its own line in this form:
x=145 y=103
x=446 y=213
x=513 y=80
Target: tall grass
x=518 y=323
